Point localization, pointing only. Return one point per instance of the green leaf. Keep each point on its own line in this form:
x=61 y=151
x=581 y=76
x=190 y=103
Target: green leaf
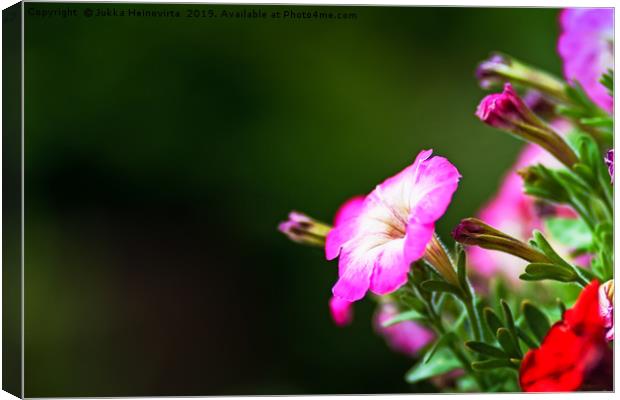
x=536 y=320
x=546 y=248
x=492 y=320
x=491 y=364
x=510 y=324
x=600 y=122
x=444 y=340
x=507 y=342
x=525 y=338
x=441 y=286
x=486 y=349
x=608 y=81
x=405 y=316
x=461 y=267
x=561 y=307
x=540 y=271
x=444 y=361
x=572 y=232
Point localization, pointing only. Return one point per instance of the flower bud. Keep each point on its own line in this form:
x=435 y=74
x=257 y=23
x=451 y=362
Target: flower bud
x=507 y=111
x=437 y=256
x=474 y=232
x=501 y=68
x=302 y=229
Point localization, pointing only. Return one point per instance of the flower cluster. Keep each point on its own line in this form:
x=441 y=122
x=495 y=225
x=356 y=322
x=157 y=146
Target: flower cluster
x=457 y=310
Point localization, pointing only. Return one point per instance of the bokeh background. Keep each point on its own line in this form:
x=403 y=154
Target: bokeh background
x=161 y=153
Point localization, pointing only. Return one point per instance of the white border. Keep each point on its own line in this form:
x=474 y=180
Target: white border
x=462 y=3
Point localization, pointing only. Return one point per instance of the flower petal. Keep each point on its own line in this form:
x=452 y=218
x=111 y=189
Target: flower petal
x=391 y=268
x=344 y=226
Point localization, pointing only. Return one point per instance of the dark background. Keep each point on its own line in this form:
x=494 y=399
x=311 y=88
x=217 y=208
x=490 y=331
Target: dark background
x=162 y=152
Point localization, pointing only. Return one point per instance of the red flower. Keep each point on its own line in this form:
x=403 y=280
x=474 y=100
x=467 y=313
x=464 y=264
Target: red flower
x=574 y=355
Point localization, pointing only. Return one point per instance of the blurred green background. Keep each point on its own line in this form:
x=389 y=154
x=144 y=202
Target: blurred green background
x=162 y=152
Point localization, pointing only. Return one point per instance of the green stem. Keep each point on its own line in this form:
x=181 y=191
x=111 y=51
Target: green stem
x=437 y=325
x=474 y=317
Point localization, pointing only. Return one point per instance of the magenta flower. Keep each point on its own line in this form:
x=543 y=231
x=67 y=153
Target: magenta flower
x=405 y=337
x=609 y=161
x=341 y=311
x=606 y=307
x=517 y=214
x=586 y=47
x=391 y=228
x=504 y=110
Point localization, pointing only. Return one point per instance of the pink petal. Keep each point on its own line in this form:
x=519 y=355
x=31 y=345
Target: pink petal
x=344 y=226
x=586 y=48
x=341 y=311
x=418 y=236
x=391 y=268
x=354 y=277
x=436 y=182
x=406 y=337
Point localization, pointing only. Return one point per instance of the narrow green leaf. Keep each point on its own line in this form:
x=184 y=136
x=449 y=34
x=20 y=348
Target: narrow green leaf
x=486 y=349
x=443 y=340
x=444 y=361
x=506 y=340
x=405 y=316
x=491 y=364
x=441 y=286
x=536 y=320
x=546 y=248
x=541 y=271
x=492 y=320
x=525 y=338
x=510 y=322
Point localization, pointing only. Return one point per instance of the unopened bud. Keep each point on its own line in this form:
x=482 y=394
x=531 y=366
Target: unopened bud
x=508 y=112
x=474 y=232
x=302 y=229
x=501 y=68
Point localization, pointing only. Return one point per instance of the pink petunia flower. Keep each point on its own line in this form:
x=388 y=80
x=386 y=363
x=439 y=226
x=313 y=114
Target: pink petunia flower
x=395 y=223
x=515 y=213
x=586 y=47
x=341 y=311
x=606 y=307
x=405 y=337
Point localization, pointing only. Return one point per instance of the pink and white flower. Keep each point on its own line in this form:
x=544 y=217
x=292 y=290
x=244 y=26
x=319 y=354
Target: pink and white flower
x=586 y=47
x=405 y=337
x=606 y=307
x=394 y=224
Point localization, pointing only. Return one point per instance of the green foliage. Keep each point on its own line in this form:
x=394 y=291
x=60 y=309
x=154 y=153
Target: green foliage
x=495 y=363
x=441 y=286
x=572 y=232
x=580 y=104
x=485 y=349
x=492 y=320
x=442 y=362
x=441 y=342
x=536 y=320
x=608 y=81
x=411 y=315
